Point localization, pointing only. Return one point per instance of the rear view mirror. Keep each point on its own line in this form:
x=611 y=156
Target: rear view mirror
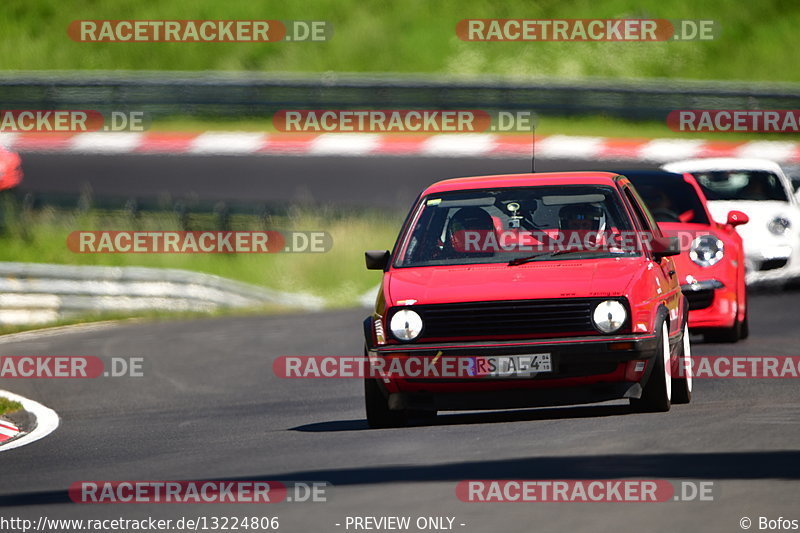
x=377 y=259
x=737 y=218
x=665 y=247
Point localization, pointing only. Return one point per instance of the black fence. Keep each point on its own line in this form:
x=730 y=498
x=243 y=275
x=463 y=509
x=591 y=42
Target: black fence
x=235 y=95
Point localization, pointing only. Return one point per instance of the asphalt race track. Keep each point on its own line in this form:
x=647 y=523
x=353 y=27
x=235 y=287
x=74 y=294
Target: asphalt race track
x=347 y=181
x=209 y=406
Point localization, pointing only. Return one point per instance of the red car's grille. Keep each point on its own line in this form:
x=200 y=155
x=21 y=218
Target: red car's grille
x=508 y=319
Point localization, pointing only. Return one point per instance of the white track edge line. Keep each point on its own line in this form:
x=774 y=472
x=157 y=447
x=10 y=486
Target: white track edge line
x=46 y=421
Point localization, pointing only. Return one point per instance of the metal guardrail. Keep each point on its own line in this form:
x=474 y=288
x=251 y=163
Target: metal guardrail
x=32 y=293
x=220 y=94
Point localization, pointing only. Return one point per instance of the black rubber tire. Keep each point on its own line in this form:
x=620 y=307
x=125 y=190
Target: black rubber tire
x=655 y=398
x=725 y=335
x=422 y=414
x=744 y=331
x=378 y=413
x=682 y=386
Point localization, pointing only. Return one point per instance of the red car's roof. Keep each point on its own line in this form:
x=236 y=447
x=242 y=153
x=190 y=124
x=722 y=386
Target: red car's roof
x=523 y=180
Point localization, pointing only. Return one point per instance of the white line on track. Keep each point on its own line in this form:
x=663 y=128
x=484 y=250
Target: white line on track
x=61 y=330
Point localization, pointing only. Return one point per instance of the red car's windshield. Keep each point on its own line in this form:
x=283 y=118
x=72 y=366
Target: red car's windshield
x=670 y=199
x=503 y=225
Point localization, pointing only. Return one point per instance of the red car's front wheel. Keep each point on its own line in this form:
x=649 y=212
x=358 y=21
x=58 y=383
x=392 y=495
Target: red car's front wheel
x=657 y=393
x=682 y=372
x=378 y=413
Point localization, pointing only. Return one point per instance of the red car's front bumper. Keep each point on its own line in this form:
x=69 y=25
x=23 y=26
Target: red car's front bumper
x=585 y=370
x=10 y=169
x=712 y=304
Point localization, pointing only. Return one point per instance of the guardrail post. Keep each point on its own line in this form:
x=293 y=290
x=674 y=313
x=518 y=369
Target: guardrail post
x=222 y=215
x=182 y=214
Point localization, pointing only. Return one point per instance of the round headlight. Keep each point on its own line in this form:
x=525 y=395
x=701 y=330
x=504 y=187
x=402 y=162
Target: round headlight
x=779 y=225
x=406 y=325
x=609 y=316
x=707 y=250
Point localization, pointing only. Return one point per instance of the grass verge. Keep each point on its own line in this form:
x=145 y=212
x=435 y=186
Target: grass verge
x=415 y=36
x=8 y=406
x=338 y=276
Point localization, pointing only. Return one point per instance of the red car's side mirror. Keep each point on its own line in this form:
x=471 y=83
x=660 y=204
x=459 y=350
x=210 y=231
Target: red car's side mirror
x=665 y=247
x=737 y=218
x=377 y=259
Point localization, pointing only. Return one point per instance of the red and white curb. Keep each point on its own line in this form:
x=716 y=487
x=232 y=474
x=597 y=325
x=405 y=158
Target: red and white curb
x=7 y=431
x=46 y=422
x=365 y=144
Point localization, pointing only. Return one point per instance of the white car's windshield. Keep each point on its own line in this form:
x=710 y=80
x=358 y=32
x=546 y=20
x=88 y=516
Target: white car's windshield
x=517 y=225
x=741 y=185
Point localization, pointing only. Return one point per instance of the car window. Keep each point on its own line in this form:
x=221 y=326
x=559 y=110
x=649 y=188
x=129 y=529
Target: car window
x=498 y=225
x=670 y=199
x=741 y=185
x=644 y=223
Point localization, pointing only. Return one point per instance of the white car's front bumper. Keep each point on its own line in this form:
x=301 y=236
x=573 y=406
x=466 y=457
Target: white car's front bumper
x=768 y=257
x=775 y=263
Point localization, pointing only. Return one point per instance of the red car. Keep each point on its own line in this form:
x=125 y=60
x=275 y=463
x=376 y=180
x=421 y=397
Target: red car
x=711 y=267
x=10 y=169
x=552 y=289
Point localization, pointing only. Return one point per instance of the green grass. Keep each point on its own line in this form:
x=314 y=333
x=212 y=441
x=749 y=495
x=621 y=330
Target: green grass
x=601 y=126
x=8 y=406
x=149 y=316
x=415 y=36
x=338 y=275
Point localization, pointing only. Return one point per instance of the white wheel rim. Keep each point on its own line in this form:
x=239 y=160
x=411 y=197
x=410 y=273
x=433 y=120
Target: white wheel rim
x=687 y=358
x=667 y=359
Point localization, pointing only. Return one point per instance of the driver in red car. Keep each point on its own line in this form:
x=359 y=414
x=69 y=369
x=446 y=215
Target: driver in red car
x=467 y=220
x=584 y=224
x=581 y=217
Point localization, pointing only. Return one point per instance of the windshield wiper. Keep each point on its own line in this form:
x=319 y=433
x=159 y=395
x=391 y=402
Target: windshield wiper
x=529 y=258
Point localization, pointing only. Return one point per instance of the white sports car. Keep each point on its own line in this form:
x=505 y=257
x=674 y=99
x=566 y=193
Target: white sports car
x=761 y=190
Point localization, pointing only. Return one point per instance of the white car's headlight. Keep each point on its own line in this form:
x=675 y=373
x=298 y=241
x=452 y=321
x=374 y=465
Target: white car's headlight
x=609 y=315
x=406 y=325
x=707 y=250
x=779 y=225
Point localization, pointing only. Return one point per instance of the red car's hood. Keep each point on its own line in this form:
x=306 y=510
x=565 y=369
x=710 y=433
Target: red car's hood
x=686 y=233
x=544 y=279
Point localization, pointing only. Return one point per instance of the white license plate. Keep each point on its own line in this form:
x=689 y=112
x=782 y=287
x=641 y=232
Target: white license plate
x=513 y=366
